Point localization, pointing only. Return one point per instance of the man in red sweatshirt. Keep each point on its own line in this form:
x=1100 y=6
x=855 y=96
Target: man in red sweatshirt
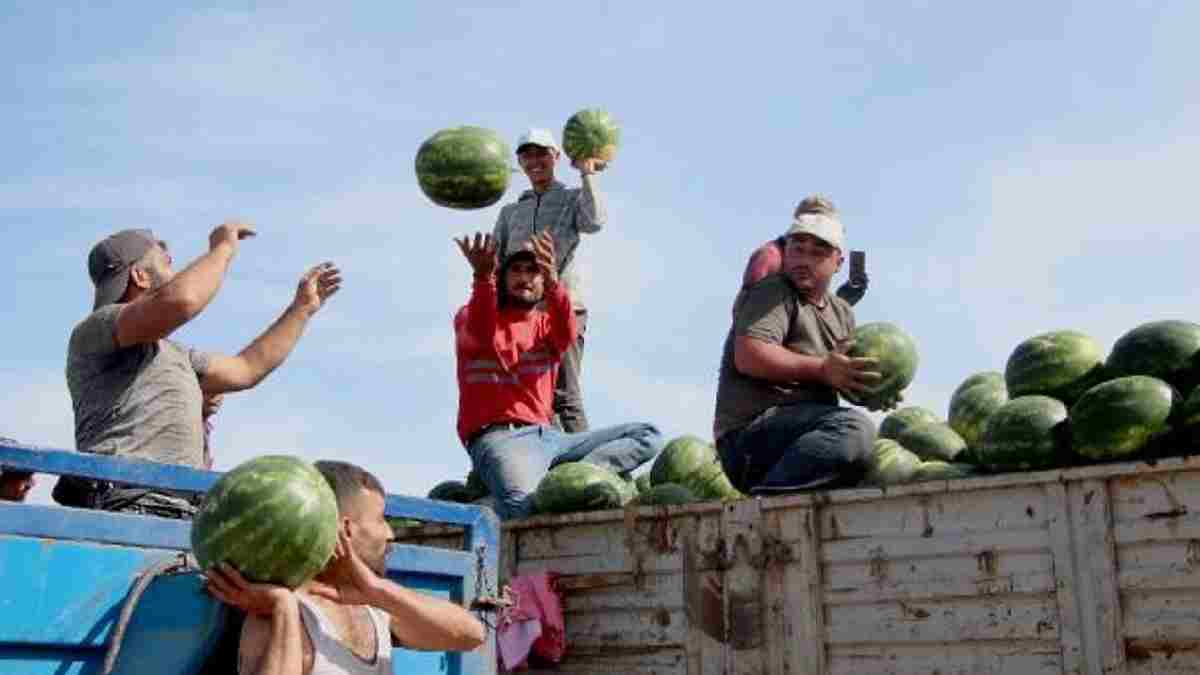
x=508 y=352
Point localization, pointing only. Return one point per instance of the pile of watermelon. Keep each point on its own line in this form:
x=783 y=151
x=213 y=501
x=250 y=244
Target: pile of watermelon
x=1060 y=402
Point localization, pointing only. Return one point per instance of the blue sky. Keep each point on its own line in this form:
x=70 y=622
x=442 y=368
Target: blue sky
x=1009 y=168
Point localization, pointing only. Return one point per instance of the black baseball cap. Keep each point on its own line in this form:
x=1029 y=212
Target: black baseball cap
x=109 y=262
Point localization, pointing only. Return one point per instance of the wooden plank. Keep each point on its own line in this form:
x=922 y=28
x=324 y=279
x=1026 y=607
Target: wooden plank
x=1066 y=581
x=939 y=514
x=1162 y=615
x=1001 y=618
x=890 y=590
x=1146 y=497
x=795 y=620
x=1160 y=577
x=1166 y=529
x=975 y=658
x=981 y=567
x=701 y=551
x=1096 y=581
x=582 y=661
x=744 y=601
x=636 y=629
x=873 y=548
x=1162 y=657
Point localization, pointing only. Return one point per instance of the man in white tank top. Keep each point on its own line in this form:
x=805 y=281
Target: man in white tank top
x=346 y=620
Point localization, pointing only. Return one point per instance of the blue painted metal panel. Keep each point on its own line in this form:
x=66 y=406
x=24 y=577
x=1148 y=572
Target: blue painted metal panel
x=67 y=571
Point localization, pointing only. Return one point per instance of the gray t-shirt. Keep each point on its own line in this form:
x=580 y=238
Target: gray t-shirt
x=773 y=311
x=141 y=401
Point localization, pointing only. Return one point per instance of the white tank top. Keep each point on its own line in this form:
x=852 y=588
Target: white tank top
x=331 y=657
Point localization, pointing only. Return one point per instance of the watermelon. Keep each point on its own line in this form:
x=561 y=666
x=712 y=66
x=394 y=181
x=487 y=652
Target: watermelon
x=1028 y=432
x=1189 y=413
x=973 y=402
x=642 y=483
x=464 y=167
x=403 y=523
x=708 y=482
x=897 y=356
x=894 y=424
x=939 y=470
x=935 y=440
x=452 y=491
x=591 y=134
x=1168 y=350
x=1061 y=364
x=891 y=464
x=666 y=494
x=274 y=518
x=580 y=486
x=679 y=458
x=1122 y=416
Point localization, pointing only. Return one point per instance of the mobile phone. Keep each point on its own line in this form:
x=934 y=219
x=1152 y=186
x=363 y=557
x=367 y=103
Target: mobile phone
x=858 y=263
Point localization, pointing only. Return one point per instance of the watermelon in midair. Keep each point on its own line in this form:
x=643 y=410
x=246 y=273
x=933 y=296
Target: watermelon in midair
x=591 y=134
x=274 y=518
x=464 y=167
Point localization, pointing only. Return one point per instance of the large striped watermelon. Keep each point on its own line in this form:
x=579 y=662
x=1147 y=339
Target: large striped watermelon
x=933 y=441
x=898 y=420
x=680 y=458
x=709 y=482
x=1121 y=417
x=1061 y=364
x=591 y=134
x=464 y=167
x=666 y=494
x=891 y=463
x=939 y=470
x=1168 y=350
x=973 y=402
x=274 y=518
x=897 y=355
x=1028 y=432
x=1189 y=413
x=580 y=486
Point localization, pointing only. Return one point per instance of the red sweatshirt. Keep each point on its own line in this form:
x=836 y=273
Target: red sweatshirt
x=508 y=359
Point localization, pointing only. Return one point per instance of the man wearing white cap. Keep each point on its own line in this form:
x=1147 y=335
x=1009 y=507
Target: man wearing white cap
x=778 y=425
x=550 y=206
x=138 y=394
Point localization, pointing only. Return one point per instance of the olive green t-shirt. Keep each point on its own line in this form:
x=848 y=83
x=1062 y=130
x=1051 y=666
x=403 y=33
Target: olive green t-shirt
x=774 y=311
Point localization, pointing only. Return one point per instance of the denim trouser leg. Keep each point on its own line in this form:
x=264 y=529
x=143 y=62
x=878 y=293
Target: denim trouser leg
x=621 y=448
x=798 y=447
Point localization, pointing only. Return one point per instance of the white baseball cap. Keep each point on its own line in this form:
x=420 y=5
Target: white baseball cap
x=824 y=227
x=540 y=137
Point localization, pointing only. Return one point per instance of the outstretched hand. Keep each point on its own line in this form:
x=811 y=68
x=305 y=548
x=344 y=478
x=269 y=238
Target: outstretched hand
x=543 y=253
x=589 y=165
x=854 y=375
x=480 y=253
x=318 y=285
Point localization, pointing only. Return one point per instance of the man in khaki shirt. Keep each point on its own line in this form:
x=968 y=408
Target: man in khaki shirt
x=778 y=424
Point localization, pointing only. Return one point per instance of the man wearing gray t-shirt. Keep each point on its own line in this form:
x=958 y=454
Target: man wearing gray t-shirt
x=778 y=425
x=138 y=394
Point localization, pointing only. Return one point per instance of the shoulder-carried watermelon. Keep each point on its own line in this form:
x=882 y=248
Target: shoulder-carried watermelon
x=1061 y=364
x=580 y=486
x=1168 y=350
x=896 y=353
x=679 y=458
x=591 y=134
x=464 y=167
x=708 y=482
x=891 y=464
x=898 y=420
x=1121 y=417
x=274 y=518
x=1028 y=432
x=939 y=470
x=666 y=494
x=973 y=402
x=935 y=440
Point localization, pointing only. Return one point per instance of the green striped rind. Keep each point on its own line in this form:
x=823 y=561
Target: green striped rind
x=709 y=482
x=580 y=486
x=1168 y=350
x=1189 y=413
x=939 y=470
x=1061 y=364
x=642 y=483
x=452 y=491
x=680 y=458
x=895 y=423
x=666 y=494
x=1120 y=417
x=464 y=167
x=1025 y=433
x=591 y=134
x=891 y=463
x=897 y=355
x=274 y=518
x=973 y=402
x=933 y=441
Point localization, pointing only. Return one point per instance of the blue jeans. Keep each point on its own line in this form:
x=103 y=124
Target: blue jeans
x=511 y=462
x=798 y=447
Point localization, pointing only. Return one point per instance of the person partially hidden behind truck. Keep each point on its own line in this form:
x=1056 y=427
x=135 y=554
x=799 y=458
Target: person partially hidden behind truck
x=136 y=393
x=778 y=425
x=15 y=484
x=345 y=621
x=768 y=258
x=508 y=352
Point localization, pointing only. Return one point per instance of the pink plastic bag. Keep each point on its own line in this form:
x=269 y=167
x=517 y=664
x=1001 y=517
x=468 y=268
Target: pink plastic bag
x=534 y=624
